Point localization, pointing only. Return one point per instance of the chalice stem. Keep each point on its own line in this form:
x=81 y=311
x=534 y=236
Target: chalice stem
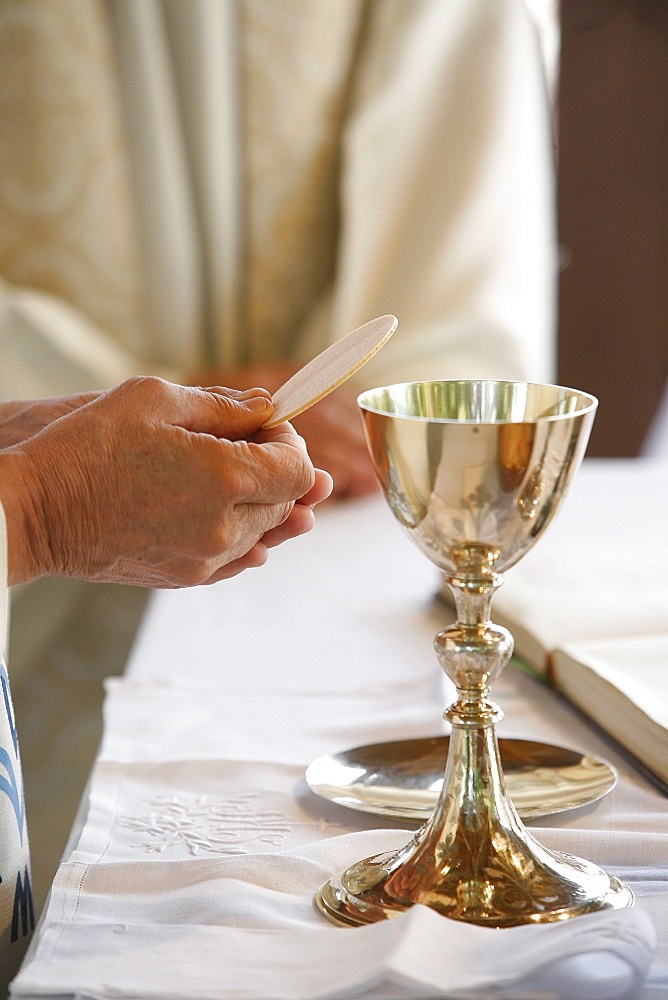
x=473 y=651
x=484 y=866
x=475 y=828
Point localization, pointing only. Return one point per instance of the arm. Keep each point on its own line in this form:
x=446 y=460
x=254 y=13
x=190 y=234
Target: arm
x=156 y=485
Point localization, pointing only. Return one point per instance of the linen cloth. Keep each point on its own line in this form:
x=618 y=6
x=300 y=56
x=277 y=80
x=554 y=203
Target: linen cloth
x=193 y=869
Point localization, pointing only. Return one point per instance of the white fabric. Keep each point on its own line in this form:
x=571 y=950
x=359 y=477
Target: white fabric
x=577 y=557
x=194 y=870
x=17 y=919
x=413 y=956
x=248 y=127
x=50 y=349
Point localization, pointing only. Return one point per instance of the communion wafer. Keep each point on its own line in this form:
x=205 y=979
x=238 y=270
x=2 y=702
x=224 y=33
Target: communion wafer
x=330 y=369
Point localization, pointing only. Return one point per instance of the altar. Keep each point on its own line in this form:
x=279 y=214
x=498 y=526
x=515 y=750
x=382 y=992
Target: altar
x=199 y=845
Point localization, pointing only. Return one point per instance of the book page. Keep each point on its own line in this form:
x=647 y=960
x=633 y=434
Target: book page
x=599 y=569
x=622 y=684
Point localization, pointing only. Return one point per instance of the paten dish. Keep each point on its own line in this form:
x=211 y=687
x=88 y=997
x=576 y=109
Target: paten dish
x=403 y=778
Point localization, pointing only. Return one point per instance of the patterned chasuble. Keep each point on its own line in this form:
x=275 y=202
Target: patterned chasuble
x=17 y=919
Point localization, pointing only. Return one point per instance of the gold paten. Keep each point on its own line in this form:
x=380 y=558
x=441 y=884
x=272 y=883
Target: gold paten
x=474 y=471
x=403 y=778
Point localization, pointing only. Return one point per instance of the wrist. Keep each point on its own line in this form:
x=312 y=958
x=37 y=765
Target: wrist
x=26 y=536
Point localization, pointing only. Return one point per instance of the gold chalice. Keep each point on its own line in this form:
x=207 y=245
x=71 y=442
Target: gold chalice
x=474 y=471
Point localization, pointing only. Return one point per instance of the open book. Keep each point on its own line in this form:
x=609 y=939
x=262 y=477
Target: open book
x=588 y=605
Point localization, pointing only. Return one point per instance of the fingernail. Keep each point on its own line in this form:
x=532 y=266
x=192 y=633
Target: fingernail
x=257 y=404
x=250 y=393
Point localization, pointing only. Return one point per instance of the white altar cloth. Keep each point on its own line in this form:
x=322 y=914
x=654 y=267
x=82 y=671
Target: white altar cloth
x=199 y=836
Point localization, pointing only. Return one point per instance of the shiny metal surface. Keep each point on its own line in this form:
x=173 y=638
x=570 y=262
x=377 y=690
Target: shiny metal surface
x=474 y=471
x=403 y=778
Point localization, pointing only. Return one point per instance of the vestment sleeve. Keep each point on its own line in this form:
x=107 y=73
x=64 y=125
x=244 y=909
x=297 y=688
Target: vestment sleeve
x=17 y=916
x=49 y=348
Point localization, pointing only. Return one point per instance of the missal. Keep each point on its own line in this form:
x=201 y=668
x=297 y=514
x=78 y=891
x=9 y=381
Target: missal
x=622 y=684
x=588 y=607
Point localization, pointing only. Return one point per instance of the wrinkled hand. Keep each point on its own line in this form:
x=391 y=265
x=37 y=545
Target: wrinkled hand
x=23 y=418
x=156 y=485
x=332 y=428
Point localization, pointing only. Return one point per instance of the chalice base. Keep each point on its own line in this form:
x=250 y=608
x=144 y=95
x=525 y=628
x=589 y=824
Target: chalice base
x=474 y=860
x=367 y=892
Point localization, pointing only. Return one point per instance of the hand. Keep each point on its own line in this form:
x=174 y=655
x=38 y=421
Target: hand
x=23 y=418
x=156 y=485
x=332 y=428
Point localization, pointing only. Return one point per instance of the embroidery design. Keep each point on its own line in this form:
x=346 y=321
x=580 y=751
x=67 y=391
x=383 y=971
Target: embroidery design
x=227 y=826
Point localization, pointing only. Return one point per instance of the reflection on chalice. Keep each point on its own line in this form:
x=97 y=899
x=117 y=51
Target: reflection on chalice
x=474 y=471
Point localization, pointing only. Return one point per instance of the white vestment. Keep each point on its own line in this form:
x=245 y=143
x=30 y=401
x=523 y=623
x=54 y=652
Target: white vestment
x=187 y=183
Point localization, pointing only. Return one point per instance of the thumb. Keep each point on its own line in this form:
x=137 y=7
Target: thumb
x=226 y=413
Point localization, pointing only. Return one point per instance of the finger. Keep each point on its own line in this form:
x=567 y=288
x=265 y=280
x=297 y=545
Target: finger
x=220 y=412
x=300 y=521
x=321 y=489
x=266 y=474
x=284 y=433
x=240 y=394
x=254 y=558
x=228 y=414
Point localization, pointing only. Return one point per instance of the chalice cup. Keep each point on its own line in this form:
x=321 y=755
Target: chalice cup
x=474 y=471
